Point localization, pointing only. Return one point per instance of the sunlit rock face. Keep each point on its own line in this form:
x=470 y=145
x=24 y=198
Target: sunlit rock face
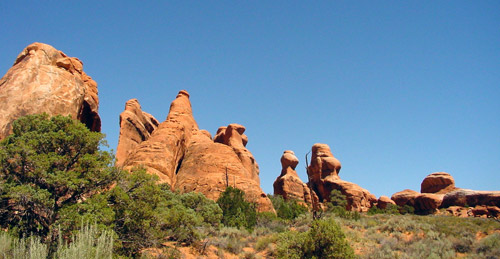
x=44 y=79
x=186 y=157
x=288 y=184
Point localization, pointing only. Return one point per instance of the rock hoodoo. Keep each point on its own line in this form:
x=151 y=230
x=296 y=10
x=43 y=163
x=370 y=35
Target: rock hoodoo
x=44 y=79
x=186 y=157
x=288 y=184
x=136 y=126
x=323 y=173
x=324 y=176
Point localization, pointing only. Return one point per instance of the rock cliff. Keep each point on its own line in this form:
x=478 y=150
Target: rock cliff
x=44 y=79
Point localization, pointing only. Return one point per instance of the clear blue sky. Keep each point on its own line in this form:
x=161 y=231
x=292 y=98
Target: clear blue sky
x=398 y=89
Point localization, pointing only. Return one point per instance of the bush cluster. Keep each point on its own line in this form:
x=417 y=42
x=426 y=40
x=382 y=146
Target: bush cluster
x=287 y=209
x=324 y=239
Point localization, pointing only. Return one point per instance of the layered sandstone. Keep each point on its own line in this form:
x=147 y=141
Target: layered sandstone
x=44 y=79
x=324 y=176
x=136 y=126
x=188 y=159
x=288 y=184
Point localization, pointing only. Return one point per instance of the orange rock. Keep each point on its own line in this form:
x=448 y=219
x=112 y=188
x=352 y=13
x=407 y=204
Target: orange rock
x=136 y=126
x=384 y=201
x=288 y=184
x=44 y=79
x=163 y=151
x=233 y=136
x=323 y=174
x=439 y=182
x=428 y=202
x=185 y=157
x=465 y=197
x=405 y=197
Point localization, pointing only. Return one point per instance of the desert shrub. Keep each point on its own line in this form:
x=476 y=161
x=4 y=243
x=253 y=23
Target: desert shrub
x=287 y=209
x=324 y=239
x=268 y=222
x=464 y=243
x=337 y=206
x=406 y=209
x=236 y=211
x=434 y=245
x=391 y=209
x=489 y=246
x=13 y=247
x=206 y=208
x=264 y=242
x=88 y=243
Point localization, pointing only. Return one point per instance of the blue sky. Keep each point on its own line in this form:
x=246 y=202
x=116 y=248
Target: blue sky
x=398 y=89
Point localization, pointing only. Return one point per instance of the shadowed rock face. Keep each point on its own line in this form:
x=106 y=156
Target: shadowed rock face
x=324 y=176
x=186 y=157
x=44 y=79
x=288 y=184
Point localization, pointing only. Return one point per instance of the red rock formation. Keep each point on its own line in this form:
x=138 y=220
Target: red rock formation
x=187 y=158
x=465 y=197
x=163 y=151
x=44 y=79
x=323 y=174
x=288 y=184
x=384 y=201
x=405 y=197
x=428 y=202
x=233 y=136
x=136 y=126
x=439 y=182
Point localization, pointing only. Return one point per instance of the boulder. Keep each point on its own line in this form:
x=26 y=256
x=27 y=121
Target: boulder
x=384 y=201
x=324 y=176
x=439 y=182
x=45 y=80
x=405 y=197
x=189 y=160
x=428 y=202
x=288 y=184
x=136 y=126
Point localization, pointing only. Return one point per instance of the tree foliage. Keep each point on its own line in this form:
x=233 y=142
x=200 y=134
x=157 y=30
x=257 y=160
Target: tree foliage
x=287 y=209
x=324 y=239
x=237 y=212
x=46 y=165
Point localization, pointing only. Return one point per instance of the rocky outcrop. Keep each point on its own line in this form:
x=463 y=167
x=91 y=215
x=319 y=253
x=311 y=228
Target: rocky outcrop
x=465 y=197
x=324 y=176
x=439 y=182
x=288 y=184
x=188 y=159
x=136 y=126
x=44 y=79
x=439 y=191
x=384 y=201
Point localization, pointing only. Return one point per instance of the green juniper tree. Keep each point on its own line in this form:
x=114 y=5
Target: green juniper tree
x=46 y=165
